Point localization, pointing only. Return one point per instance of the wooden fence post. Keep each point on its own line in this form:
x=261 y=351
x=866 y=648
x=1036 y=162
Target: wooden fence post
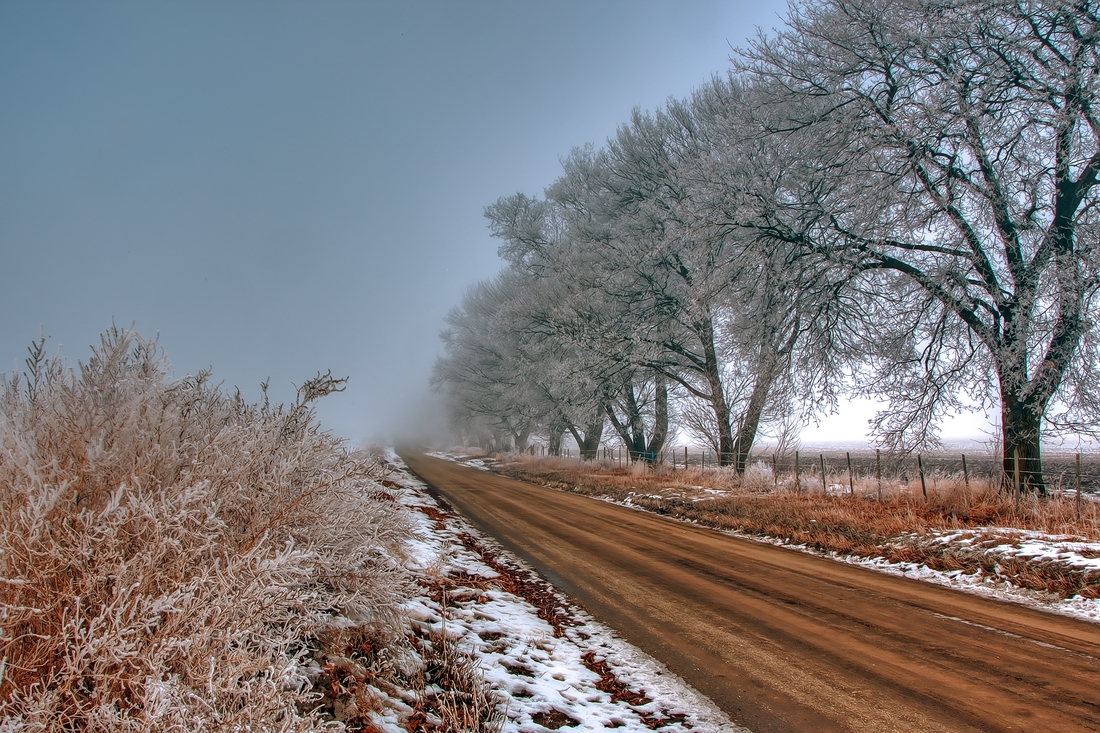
x=920 y=469
x=824 y=485
x=1078 y=472
x=878 y=471
x=966 y=474
x=775 y=472
x=1016 y=474
x=797 y=479
x=851 y=481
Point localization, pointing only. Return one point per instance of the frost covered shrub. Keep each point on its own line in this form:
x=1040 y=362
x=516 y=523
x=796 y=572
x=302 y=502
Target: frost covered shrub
x=170 y=554
x=758 y=477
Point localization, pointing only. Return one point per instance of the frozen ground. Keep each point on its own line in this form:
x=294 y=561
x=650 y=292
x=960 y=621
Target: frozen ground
x=553 y=665
x=1004 y=544
x=1001 y=543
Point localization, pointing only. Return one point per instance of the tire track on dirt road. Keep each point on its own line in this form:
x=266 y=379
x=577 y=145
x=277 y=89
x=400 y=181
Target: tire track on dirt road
x=785 y=641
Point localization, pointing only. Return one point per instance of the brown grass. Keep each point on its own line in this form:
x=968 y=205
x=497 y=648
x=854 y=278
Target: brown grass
x=174 y=558
x=900 y=527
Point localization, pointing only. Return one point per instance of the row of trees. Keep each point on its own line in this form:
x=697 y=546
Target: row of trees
x=893 y=197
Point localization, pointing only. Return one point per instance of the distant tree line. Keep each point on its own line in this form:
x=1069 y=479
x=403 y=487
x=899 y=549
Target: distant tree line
x=887 y=197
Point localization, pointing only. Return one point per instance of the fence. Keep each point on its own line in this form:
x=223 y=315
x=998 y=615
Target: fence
x=834 y=471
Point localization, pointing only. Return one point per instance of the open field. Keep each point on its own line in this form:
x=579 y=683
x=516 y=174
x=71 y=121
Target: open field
x=898 y=472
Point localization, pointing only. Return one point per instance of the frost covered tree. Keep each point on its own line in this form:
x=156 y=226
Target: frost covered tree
x=949 y=155
x=710 y=306
x=657 y=293
x=478 y=374
x=505 y=376
x=557 y=240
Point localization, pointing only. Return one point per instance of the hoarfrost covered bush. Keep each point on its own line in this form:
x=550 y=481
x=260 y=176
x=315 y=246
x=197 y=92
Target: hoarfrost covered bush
x=759 y=476
x=170 y=554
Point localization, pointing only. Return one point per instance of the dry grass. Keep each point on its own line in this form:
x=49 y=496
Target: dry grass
x=444 y=692
x=900 y=527
x=174 y=558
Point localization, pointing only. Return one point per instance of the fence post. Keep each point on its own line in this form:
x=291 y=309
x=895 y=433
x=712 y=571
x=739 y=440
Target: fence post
x=824 y=485
x=966 y=474
x=851 y=482
x=797 y=479
x=1016 y=469
x=1016 y=475
x=878 y=471
x=1078 y=472
x=920 y=469
x=685 y=457
x=775 y=472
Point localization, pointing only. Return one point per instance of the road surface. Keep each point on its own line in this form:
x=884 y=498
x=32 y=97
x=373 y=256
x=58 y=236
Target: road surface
x=785 y=641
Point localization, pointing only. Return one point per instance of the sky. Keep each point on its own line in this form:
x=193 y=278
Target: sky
x=277 y=189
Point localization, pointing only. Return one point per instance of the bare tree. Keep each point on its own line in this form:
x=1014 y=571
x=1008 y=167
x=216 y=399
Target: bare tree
x=950 y=154
x=714 y=301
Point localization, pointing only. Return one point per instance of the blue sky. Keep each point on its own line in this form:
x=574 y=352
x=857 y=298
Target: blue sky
x=282 y=188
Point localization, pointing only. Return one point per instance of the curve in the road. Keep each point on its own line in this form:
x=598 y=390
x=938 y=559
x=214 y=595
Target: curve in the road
x=785 y=641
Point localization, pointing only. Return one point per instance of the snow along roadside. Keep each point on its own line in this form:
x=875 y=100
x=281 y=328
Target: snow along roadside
x=555 y=664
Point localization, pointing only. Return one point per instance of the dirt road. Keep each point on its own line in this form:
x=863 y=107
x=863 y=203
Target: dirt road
x=784 y=641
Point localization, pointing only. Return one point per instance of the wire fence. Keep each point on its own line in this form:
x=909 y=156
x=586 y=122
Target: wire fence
x=832 y=471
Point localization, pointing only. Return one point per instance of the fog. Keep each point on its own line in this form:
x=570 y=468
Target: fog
x=282 y=189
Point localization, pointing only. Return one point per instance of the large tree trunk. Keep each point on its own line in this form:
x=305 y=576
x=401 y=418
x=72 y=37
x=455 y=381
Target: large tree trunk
x=590 y=443
x=770 y=363
x=726 y=448
x=631 y=429
x=660 y=417
x=554 y=441
x=750 y=421
x=1021 y=425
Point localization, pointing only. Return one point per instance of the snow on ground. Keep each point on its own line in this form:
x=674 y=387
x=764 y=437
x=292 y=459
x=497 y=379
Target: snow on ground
x=1026 y=544
x=1001 y=542
x=1005 y=543
x=483 y=464
x=980 y=583
x=559 y=669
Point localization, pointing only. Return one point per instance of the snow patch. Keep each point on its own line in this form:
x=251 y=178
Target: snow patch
x=543 y=674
